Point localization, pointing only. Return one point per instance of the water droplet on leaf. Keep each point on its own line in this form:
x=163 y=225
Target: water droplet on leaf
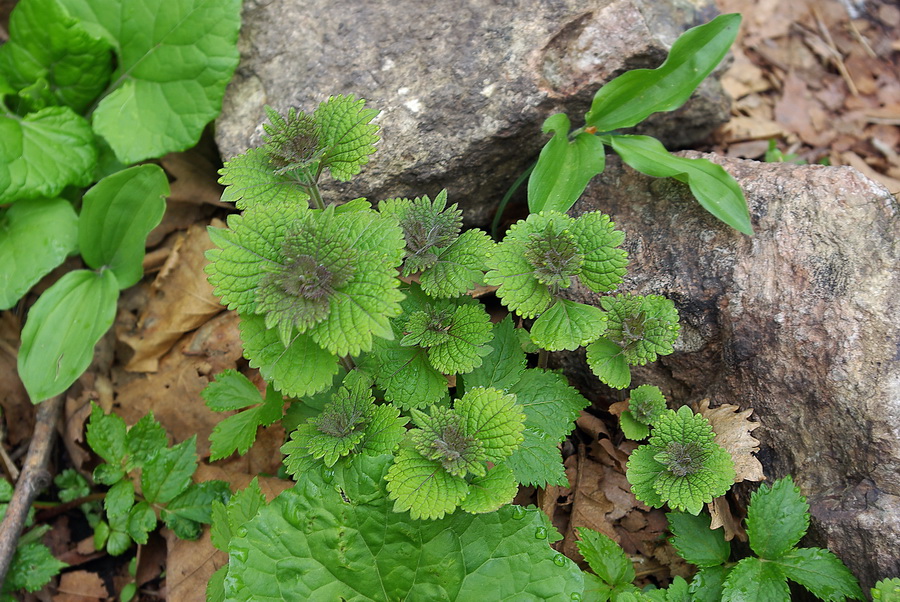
x=519 y=512
x=559 y=560
x=540 y=533
x=328 y=476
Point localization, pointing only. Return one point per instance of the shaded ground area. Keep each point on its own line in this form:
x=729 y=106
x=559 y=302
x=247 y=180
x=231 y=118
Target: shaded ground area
x=819 y=78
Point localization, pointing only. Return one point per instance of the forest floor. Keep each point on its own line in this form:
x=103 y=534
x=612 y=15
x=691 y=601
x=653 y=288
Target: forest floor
x=818 y=79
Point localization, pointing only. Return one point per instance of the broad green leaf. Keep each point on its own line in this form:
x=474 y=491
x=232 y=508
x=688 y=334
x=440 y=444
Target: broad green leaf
x=405 y=374
x=604 y=264
x=215 y=588
x=634 y=95
x=460 y=267
x=605 y=557
x=35 y=237
x=564 y=167
x=469 y=330
x=423 y=486
x=886 y=590
x=632 y=429
x=169 y=472
x=502 y=368
x=712 y=186
x=489 y=492
x=706 y=586
x=643 y=470
x=678 y=591
x=310 y=544
x=755 y=579
x=240 y=509
x=696 y=542
x=537 y=461
x=175 y=58
x=519 y=290
x=234 y=434
x=347 y=135
x=494 y=418
x=141 y=520
x=778 y=516
x=118 y=213
x=250 y=180
x=106 y=434
x=119 y=499
x=43 y=152
x=607 y=361
x=194 y=506
x=32 y=566
x=231 y=390
x=821 y=572
x=62 y=328
x=278 y=364
x=568 y=325
x=45 y=43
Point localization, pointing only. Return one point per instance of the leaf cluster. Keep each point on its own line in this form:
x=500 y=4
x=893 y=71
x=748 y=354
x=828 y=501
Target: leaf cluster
x=88 y=87
x=148 y=481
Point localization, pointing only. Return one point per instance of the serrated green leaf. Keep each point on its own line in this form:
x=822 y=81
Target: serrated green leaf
x=46 y=44
x=537 y=461
x=423 y=486
x=459 y=267
x=564 y=167
x=405 y=374
x=119 y=499
x=278 y=364
x=32 y=566
x=194 y=506
x=678 y=591
x=234 y=434
x=755 y=579
x=144 y=440
x=502 y=368
x=568 y=325
x=604 y=264
x=250 y=180
x=43 y=152
x=548 y=401
x=605 y=557
x=376 y=554
x=632 y=428
x=706 y=586
x=642 y=473
x=106 y=434
x=468 y=331
x=62 y=328
x=886 y=590
x=712 y=186
x=141 y=520
x=231 y=390
x=168 y=473
x=442 y=437
x=35 y=237
x=777 y=518
x=385 y=430
x=165 y=94
x=696 y=542
x=821 y=572
x=71 y=486
x=107 y=474
x=215 y=587
x=240 y=509
x=519 y=290
x=607 y=361
x=494 y=418
x=346 y=134
x=117 y=215
x=118 y=542
x=633 y=96
x=490 y=492
x=643 y=326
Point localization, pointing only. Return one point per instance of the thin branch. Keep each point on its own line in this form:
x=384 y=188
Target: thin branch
x=33 y=480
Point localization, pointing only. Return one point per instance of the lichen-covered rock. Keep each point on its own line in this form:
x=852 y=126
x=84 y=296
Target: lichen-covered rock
x=801 y=322
x=464 y=86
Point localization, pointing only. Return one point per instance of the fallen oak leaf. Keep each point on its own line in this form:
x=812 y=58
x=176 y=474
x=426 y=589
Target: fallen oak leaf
x=732 y=430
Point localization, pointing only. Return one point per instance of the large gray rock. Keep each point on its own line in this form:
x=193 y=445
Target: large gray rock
x=463 y=85
x=801 y=322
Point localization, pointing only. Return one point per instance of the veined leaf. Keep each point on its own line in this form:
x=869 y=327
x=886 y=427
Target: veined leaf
x=43 y=152
x=62 y=328
x=696 y=542
x=607 y=361
x=568 y=325
x=492 y=491
x=755 y=579
x=175 y=58
x=777 y=518
x=712 y=186
x=250 y=179
x=168 y=473
x=564 y=167
x=118 y=213
x=633 y=96
x=422 y=486
x=821 y=572
x=537 y=461
x=347 y=135
x=502 y=368
x=35 y=237
x=605 y=557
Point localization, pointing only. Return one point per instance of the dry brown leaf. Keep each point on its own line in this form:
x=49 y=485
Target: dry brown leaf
x=618 y=407
x=181 y=301
x=732 y=428
x=80 y=585
x=592 y=425
x=195 y=179
x=721 y=515
x=173 y=393
x=18 y=411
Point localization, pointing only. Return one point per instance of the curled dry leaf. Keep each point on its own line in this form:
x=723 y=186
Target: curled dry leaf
x=732 y=428
x=721 y=515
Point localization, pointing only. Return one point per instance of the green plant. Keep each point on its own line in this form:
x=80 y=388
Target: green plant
x=571 y=158
x=886 y=590
x=645 y=404
x=33 y=565
x=71 y=71
x=148 y=481
x=681 y=465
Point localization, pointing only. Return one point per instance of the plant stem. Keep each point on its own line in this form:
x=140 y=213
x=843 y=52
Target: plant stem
x=348 y=363
x=33 y=479
x=314 y=192
x=543 y=358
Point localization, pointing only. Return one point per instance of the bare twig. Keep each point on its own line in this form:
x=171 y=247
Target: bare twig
x=33 y=480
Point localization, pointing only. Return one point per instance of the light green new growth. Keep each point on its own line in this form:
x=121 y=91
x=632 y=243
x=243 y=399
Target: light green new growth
x=233 y=391
x=547 y=251
x=350 y=423
x=454 y=333
x=442 y=463
x=886 y=590
x=645 y=404
x=639 y=328
x=681 y=465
